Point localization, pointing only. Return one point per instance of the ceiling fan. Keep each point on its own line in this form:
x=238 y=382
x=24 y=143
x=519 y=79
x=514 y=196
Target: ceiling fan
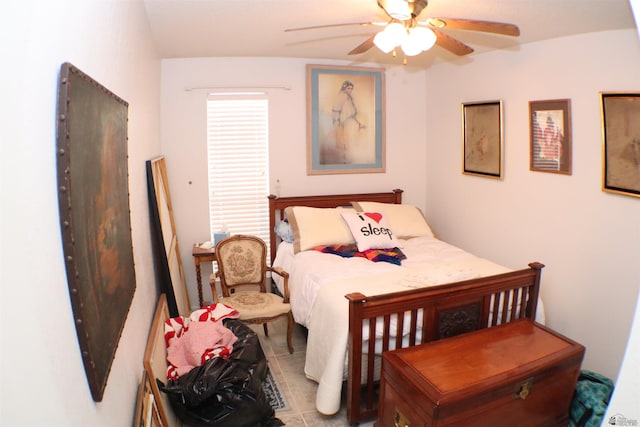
x=405 y=30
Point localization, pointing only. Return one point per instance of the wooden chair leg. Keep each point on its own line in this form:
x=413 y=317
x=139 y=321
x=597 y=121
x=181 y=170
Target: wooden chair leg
x=290 y=332
x=266 y=331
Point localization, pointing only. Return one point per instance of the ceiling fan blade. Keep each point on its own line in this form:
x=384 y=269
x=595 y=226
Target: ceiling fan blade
x=348 y=24
x=363 y=47
x=475 y=25
x=451 y=44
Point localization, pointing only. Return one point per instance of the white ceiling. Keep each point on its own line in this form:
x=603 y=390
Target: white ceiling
x=219 y=28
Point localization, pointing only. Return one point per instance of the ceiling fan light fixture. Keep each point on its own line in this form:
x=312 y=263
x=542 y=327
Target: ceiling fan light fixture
x=412 y=45
x=418 y=40
x=426 y=37
x=391 y=37
x=396 y=31
x=383 y=42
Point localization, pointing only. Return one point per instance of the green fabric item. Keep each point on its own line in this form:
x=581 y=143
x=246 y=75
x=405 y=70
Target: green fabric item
x=590 y=400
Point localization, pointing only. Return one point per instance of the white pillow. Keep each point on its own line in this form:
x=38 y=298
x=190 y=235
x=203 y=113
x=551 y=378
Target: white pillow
x=317 y=226
x=406 y=221
x=370 y=230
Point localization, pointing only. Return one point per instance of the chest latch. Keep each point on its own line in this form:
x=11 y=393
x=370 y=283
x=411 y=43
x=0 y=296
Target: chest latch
x=523 y=389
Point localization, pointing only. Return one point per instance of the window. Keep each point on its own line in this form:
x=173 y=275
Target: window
x=238 y=160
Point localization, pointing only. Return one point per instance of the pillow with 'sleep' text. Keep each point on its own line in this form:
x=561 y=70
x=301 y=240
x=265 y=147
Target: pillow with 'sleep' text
x=405 y=220
x=370 y=230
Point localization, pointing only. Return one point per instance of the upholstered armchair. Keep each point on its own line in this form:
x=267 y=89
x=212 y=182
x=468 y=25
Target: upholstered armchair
x=242 y=270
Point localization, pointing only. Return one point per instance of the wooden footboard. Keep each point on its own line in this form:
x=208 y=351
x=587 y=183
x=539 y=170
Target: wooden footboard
x=429 y=314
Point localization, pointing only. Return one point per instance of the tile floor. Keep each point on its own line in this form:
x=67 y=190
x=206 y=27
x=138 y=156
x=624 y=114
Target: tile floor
x=288 y=369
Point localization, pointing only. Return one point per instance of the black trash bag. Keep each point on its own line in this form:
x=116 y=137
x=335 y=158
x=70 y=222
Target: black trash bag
x=226 y=392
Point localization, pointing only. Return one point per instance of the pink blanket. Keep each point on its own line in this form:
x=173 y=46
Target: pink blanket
x=194 y=340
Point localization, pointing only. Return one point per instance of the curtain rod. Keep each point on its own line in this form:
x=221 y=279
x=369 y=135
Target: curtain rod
x=192 y=88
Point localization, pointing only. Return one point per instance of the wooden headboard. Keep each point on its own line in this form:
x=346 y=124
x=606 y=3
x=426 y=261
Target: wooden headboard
x=277 y=205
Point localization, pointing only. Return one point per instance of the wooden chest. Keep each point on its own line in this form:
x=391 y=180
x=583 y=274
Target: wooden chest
x=517 y=374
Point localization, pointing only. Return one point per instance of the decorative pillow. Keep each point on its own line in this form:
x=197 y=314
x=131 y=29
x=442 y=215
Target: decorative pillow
x=283 y=230
x=317 y=226
x=370 y=230
x=406 y=221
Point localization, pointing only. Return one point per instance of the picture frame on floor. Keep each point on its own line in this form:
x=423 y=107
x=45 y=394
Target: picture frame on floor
x=550 y=136
x=621 y=143
x=482 y=139
x=164 y=240
x=147 y=413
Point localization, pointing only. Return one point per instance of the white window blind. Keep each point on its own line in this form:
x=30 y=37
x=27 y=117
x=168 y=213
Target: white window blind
x=238 y=159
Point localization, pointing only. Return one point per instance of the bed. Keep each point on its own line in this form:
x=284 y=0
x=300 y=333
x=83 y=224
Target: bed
x=438 y=291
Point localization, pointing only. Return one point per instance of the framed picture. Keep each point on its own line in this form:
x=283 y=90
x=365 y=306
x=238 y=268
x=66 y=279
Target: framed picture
x=147 y=413
x=345 y=120
x=621 y=143
x=164 y=239
x=95 y=223
x=155 y=363
x=482 y=139
x=550 y=136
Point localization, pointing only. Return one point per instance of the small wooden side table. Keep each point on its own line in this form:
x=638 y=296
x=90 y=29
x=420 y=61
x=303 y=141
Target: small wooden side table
x=201 y=255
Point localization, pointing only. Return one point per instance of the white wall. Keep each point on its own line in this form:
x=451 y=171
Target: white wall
x=635 y=8
x=588 y=239
x=43 y=381
x=590 y=282
x=184 y=138
x=624 y=400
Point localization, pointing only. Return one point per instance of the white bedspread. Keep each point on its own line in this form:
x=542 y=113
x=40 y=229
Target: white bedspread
x=318 y=302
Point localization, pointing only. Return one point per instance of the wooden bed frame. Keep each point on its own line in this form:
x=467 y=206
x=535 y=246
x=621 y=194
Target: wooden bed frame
x=446 y=310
